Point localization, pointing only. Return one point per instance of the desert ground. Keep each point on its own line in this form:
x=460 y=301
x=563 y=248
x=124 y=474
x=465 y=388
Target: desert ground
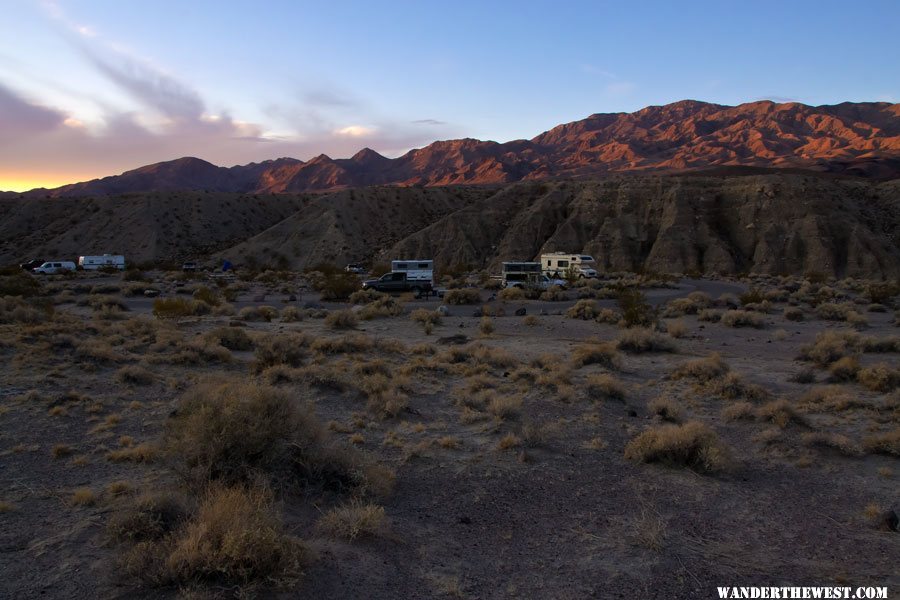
x=635 y=436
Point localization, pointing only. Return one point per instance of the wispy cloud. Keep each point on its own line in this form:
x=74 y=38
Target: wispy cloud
x=433 y=122
x=619 y=88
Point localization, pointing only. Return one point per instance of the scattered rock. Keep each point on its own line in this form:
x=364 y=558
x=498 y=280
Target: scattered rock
x=520 y=312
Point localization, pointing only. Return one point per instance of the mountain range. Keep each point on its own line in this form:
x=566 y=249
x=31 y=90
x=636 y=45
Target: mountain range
x=856 y=139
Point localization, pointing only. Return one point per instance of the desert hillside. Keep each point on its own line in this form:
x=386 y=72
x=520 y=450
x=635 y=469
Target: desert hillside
x=849 y=138
x=773 y=223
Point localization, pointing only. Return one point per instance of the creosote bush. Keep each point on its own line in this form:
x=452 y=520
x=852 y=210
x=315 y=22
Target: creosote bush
x=641 y=340
x=341 y=319
x=692 y=445
x=173 y=308
x=742 y=318
x=462 y=296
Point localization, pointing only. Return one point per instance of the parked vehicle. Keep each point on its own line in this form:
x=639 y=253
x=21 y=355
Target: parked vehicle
x=33 y=264
x=557 y=264
x=93 y=263
x=55 y=266
x=356 y=268
x=189 y=267
x=527 y=275
x=416 y=276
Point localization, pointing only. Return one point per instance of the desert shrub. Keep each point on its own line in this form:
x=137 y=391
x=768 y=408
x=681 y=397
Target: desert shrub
x=135 y=374
x=830 y=311
x=636 y=311
x=596 y=353
x=742 y=318
x=692 y=445
x=16 y=310
x=583 y=309
x=462 y=296
x=341 y=319
x=289 y=349
x=882 y=293
x=531 y=320
x=830 y=346
x=336 y=285
x=150 y=517
x=236 y=431
x=676 y=329
x=553 y=294
x=208 y=295
x=839 y=442
x=666 y=408
x=345 y=344
x=235 y=538
x=101 y=301
x=511 y=294
x=486 y=326
x=732 y=386
x=753 y=295
x=857 y=320
x=879 y=378
x=19 y=284
x=383 y=306
x=737 y=411
x=291 y=314
x=604 y=386
x=779 y=412
x=883 y=443
x=257 y=313
x=641 y=340
x=792 y=313
x=233 y=338
x=365 y=296
x=352 y=521
x=844 y=369
x=173 y=308
x=709 y=315
x=702 y=369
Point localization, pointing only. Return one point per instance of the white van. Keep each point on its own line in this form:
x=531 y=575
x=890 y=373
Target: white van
x=92 y=263
x=55 y=266
x=555 y=264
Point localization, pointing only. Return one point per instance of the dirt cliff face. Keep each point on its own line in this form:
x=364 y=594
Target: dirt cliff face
x=860 y=139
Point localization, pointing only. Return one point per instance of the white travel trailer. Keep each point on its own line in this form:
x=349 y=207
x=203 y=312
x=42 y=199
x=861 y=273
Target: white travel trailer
x=556 y=264
x=55 y=266
x=415 y=269
x=92 y=263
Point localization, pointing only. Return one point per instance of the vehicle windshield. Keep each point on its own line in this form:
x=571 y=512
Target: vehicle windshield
x=588 y=261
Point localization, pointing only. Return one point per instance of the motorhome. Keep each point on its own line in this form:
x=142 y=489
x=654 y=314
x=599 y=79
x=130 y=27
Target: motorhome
x=55 y=266
x=527 y=275
x=557 y=264
x=416 y=276
x=92 y=263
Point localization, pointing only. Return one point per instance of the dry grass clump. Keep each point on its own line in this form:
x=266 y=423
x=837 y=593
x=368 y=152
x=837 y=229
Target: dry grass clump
x=692 y=445
x=142 y=453
x=738 y=411
x=149 y=517
x=830 y=311
x=676 y=329
x=585 y=310
x=366 y=296
x=289 y=349
x=531 y=320
x=732 y=386
x=554 y=293
x=427 y=318
x=462 y=296
x=640 y=340
x=709 y=315
x=346 y=344
x=742 y=318
x=173 y=308
x=383 y=306
x=604 y=386
x=666 y=408
x=702 y=369
x=486 y=326
x=99 y=351
x=235 y=538
x=233 y=338
x=831 y=346
x=83 y=496
x=236 y=432
x=779 y=412
x=291 y=314
x=883 y=443
x=511 y=294
x=16 y=310
x=837 y=441
x=352 y=521
x=505 y=407
x=596 y=353
x=843 y=369
x=478 y=354
x=792 y=313
x=135 y=375
x=879 y=378
x=341 y=319
x=258 y=313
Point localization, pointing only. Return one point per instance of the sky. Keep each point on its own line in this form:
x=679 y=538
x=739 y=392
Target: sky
x=90 y=88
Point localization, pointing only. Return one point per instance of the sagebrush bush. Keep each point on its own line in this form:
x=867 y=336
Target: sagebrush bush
x=135 y=374
x=289 y=349
x=604 y=386
x=173 y=308
x=352 y=521
x=692 y=445
x=596 y=353
x=258 y=313
x=879 y=378
x=233 y=338
x=641 y=340
x=341 y=319
x=583 y=309
x=462 y=296
x=742 y=318
x=511 y=294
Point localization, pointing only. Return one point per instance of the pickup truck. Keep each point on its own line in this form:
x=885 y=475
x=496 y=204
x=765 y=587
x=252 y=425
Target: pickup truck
x=541 y=283
x=398 y=281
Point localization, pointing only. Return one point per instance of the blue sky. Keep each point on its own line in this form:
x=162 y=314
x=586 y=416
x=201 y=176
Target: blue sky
x=94 y=87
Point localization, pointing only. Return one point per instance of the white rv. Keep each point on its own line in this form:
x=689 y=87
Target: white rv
x=416 y=270
x=55 y=266
x=92 y=263
x=556 y=264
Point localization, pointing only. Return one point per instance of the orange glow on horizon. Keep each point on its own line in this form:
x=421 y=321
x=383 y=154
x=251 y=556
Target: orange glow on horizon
x=22 y=183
